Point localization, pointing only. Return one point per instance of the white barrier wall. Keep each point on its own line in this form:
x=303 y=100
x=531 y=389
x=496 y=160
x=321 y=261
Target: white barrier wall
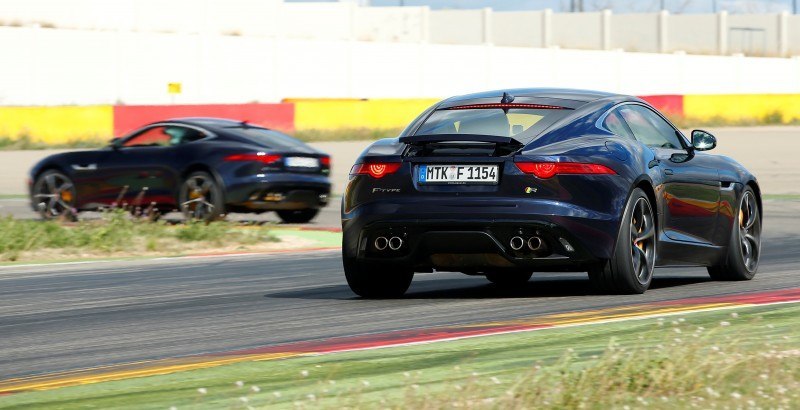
x=53 y=67
x=751 y=34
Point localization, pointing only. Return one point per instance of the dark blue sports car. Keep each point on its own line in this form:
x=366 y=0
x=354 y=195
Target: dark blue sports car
x=203 y=167
x=506 y=183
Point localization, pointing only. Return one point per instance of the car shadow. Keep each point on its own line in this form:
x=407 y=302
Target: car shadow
x=478 y=288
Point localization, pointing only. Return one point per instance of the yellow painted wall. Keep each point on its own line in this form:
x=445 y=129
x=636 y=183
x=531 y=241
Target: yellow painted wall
x=352 y=113
x=742 y=106
x=57 y=124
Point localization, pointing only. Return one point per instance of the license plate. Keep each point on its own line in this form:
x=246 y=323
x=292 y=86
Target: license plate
x=302 y=162
x=458 y=174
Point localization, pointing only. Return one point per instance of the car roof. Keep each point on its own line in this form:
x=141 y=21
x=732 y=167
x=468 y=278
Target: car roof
x=558 y=93
x=204 y=121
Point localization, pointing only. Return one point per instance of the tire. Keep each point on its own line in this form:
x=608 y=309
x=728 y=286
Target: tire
x=300 y=216
x=376 y=281
x=201 y=198
x=630 y=269
x=54 y=196
x=744 y=249
x=509 y=279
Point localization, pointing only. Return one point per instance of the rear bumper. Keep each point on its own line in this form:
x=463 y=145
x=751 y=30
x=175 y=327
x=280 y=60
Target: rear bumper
x=273 y=192
x=474 y=235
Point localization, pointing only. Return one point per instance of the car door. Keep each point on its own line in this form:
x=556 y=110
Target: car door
x=137 y=170
x=690 y=183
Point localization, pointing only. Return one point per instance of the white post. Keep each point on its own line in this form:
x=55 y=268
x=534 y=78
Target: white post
x=783 y=34
x=722 y=32
x=487 y=25
x=605 y=29
x=663 y=30
x=353 y=14
x=547 y=28
x=425 y=24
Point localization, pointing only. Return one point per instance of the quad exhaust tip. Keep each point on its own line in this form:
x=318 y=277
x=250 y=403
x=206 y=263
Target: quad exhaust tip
x=516 y=243
x=381 y=243
x=395 y=243
x=535 y=243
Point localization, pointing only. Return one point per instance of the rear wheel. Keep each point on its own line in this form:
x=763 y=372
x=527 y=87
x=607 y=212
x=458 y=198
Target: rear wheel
x=509 y=279
x=299 y=216
x=201 y=198
x=630 y=269
x=376 y=281
x=744 y=249
x=54 y=196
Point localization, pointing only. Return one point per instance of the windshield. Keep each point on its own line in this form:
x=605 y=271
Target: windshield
x=517 y=123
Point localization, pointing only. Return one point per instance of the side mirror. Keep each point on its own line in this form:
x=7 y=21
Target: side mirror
x=703 y=140
x=115 y=143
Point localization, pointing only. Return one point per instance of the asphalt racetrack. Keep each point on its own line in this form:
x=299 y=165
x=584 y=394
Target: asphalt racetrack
x=70 y=316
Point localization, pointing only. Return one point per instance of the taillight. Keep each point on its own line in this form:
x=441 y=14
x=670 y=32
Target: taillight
x=262 y=157
x=548 y=169
x=376 y=170
x=326 y=161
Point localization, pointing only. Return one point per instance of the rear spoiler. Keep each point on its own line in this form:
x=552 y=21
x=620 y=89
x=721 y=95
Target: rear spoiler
x=434 y=138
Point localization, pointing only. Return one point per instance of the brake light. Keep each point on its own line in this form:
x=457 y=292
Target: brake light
x=546 y=170
x=326 y=161
x=507 y=105
x=376 y=170
x=262 y=157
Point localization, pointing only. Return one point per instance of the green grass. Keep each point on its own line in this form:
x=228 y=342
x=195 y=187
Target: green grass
x=717 y=359
x=118 y=234
x=26 y=142
x=346 y=134
x=13 y=196
x=782 y=197
x=771 y=118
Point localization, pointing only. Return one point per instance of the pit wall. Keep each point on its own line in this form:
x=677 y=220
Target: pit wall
x=62 y=124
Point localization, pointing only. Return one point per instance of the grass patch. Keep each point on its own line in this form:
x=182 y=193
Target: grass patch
x=13 y=196
x=117 y=234
x=346 y=134
x=26 y=142
x=782 y=197
x=770 y=118
x=706 y=360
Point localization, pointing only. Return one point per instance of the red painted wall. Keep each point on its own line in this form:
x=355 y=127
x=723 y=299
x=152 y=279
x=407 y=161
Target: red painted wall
x=667 y=104
x=278 y=116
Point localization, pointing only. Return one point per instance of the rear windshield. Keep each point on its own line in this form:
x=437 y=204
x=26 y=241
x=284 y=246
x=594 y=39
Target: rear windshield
x=270 y=138
x=518 y=123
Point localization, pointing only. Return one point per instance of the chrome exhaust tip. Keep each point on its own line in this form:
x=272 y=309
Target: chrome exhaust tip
x=516 y=243
x=381 y=243
x=535 y=243
x=395 y=243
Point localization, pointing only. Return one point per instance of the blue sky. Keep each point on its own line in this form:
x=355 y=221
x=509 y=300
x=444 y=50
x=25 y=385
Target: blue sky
x=618 y=6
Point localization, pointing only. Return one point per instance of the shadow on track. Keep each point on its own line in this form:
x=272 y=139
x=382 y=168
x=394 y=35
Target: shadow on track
x=477 y=288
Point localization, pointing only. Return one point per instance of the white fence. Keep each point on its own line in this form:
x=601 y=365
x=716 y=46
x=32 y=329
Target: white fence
x=42 y=66
x=750 y=34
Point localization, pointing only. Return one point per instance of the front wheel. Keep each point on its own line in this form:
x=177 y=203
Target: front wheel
x=630 y=269
x=299 y=216
x=744 y=248
x=376 y=281
x=54 y=196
